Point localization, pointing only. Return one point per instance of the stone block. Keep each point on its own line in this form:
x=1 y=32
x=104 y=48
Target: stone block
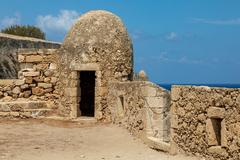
x=217 y=150
x=149 y=91
x=31 y=74
x=72 y=92
x=27 y=94
x=19 y=82
x=54 y=80
x=34 y=58
x=213 y=130
x=28 y=80
x=238 y=100
x=38 y=91
x=24 y=66
x=16 y=90
x=53 y=66
x=21 y=58
x=38 y=79
x=223 y=134
x=175 y=93
x=45 y=85
x=216 y=112
x=155 y=102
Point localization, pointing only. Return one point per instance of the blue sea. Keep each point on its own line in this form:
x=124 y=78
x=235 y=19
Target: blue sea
x=168 y=86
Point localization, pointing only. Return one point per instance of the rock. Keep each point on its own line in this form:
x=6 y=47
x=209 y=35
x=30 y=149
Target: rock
x=142 y=75
x=238 y=100
x=27 y=94
x=54 y=80
x=1 y=94
x=31 y=74
x=45 y=85
x=34 y=58
x=21 y=58
x=38 y=91
x=16 y=90
x=7 y=99
x=25 y=86
x=47 y=79
x=28 y=80
x=216 y=112
x=48 y=73
x=19 y=82
x=53 y=66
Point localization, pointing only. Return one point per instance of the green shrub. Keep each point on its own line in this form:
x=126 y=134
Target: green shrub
x=24 y=30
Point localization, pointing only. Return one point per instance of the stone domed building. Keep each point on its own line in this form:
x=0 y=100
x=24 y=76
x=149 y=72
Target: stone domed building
x=96 y=50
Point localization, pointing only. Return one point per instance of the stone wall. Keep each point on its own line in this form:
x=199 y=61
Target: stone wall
x=9 y=44
x=37 y=81
x=142 y=107
x=206 y=121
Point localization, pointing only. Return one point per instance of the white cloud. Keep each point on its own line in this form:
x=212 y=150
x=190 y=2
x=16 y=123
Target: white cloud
x=9 y=21
x=171 y=36
x=217 y=22
x=60 y=23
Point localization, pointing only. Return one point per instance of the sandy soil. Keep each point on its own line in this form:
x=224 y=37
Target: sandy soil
x=48 y=140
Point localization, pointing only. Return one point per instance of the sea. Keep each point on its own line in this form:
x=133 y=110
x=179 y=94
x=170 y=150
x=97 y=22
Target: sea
x=168 y=86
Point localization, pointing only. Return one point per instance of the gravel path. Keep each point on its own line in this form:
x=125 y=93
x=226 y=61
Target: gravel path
x=37 y=140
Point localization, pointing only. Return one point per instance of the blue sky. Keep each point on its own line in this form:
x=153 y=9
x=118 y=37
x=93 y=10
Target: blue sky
x=174 y=41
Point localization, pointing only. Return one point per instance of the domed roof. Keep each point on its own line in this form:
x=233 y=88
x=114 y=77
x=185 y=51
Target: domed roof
x=97 y=27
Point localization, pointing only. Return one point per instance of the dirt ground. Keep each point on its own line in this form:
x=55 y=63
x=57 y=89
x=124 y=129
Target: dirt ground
x=48 y=140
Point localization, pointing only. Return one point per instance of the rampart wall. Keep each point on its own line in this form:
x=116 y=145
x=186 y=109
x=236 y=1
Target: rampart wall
x=206 y=121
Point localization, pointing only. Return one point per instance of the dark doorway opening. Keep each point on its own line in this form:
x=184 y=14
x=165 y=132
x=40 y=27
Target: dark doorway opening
x=87 y=85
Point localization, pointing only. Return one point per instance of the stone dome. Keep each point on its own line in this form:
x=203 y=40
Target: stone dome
x=101 y=37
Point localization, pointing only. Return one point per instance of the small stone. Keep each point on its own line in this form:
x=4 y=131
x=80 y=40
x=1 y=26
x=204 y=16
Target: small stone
x=53 y=66
x=47 y=79
x=54 y=80
x=25 y=86
x=82 y=156
x=48 y=73
x=16 y=90
x=28 y=80
x=1 y=94
x=27 y=94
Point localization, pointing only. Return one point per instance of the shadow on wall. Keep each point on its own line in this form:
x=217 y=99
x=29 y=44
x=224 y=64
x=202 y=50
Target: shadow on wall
x=9 y=46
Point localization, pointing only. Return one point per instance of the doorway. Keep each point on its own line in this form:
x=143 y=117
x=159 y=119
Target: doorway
x=87 y=85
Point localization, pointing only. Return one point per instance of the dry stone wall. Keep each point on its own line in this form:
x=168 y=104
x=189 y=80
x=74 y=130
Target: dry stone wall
x=9 y=45
x=37 y=82
x=206 y=121
x=142 y=107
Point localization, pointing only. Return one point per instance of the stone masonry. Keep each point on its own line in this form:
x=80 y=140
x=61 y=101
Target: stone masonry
x=201 y=121
x=206 y=121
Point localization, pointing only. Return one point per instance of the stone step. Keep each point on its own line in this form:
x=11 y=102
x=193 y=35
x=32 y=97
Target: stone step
x=27 y=113
x=20 y=106
x=158 y=144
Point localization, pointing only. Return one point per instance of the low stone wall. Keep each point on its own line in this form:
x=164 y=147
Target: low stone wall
x=141 y=107
x=38 y=78
x=206 y=121
x=9 y=45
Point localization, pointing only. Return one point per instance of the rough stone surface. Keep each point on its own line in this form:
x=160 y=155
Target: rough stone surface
x=208 y=121
x=97 y=41
x=130 y=108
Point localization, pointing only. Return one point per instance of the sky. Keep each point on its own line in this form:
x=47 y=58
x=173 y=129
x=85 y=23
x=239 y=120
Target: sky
x=174 y=41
